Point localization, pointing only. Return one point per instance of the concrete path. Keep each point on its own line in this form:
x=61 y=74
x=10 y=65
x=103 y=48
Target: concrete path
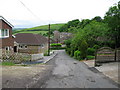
x=110 y=69
x=70 y=73
x=43 y=60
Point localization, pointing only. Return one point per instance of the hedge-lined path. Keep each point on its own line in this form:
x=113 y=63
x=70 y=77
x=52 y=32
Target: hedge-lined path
x=70 y=73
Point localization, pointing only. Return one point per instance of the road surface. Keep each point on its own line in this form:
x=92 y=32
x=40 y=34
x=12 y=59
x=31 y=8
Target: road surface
x=70 y=73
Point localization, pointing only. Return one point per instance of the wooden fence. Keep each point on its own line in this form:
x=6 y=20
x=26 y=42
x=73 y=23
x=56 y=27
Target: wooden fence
x=106 y=54
x=10 y=56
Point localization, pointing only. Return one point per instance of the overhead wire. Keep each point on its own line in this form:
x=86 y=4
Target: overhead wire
x=29 y=10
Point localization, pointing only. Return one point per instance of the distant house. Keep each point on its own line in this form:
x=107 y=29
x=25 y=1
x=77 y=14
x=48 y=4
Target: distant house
x=30 y=43
x=59 y=37
x=65 y=36
x=6 y=38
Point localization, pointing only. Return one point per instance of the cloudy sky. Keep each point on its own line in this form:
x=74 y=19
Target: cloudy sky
x=31 y=13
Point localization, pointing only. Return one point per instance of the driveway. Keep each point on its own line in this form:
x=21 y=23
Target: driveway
x=70 y=73
x=24 y=76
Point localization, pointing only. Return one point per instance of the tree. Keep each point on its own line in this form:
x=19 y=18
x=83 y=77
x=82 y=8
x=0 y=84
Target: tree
x=97 y=18
x=113 y=19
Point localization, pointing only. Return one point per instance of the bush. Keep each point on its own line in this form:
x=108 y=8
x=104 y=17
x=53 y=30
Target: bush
x=83 y=49
x=90 y=51
x=56 y=45
x=77 y=55
x=96 y=46
x=46 y=53
x=90 y=57
x=68 y=50
x=57 y=48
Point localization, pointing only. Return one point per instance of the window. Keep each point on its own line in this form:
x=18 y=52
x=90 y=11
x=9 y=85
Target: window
x=25 y=47
x=4 y=33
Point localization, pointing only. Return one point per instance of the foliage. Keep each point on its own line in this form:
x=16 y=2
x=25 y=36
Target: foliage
x=7 y=63
x=90 y=57
x=46 y=53
x=56 y=45
x=96 y=47
x=83 y=49
x=57 y=48
x=91 y=51
x=77 y=54
x=112 y=18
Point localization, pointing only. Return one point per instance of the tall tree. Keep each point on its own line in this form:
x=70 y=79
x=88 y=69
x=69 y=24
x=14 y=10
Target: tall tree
x=113 y=19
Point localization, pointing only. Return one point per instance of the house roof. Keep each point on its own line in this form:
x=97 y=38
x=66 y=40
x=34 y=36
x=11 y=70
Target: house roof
x=30 y=39
x=2 y=18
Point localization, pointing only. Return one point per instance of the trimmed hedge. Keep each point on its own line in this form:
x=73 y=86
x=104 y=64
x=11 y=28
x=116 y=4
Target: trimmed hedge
x=90 y=57
x=91 y=51
x=57 y=48
x=56 y=45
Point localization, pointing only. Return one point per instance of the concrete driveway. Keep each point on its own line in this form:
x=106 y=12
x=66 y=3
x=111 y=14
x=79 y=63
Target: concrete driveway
x=24 y=76
x=110 y=69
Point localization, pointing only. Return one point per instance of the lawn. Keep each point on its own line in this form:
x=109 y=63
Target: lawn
x=39 y=29
x=7 y=63
x=34 y=32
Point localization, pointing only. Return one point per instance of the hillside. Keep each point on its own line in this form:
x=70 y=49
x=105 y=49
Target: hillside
x=39 y=29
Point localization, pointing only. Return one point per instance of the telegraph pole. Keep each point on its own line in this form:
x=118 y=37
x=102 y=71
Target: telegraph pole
x=48 y=39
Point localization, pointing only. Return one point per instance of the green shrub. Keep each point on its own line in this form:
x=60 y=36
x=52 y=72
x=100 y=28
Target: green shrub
x=77 y=54
x=46 y=53
x=83 y=49
x=90 y=57
x=90 y=51
x=57 y=48
x=68 y=50
x=96 y=46
x=56 y=45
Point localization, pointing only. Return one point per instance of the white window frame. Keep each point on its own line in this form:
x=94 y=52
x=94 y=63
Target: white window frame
x=4 y=36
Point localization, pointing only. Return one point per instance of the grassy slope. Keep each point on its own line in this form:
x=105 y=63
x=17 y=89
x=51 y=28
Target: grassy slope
x=39 y=29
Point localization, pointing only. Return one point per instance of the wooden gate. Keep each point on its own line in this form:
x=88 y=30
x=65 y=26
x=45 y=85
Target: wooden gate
x=105 y=54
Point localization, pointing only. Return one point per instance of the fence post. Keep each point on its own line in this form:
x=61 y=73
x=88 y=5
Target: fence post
x=115 y=54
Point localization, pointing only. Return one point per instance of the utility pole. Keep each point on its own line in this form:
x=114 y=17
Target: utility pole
x=48 y=39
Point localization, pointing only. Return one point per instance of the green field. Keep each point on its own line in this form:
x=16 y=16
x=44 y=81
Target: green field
x=39 y=30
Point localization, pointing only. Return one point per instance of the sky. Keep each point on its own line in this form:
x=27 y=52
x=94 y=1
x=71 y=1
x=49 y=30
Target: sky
x=31 y=13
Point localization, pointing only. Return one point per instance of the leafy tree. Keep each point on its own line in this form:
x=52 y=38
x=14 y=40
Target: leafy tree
x=83 y=49
x=113 y=19
x=97 y=18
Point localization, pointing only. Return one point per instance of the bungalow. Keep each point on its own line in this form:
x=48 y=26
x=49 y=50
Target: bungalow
x=30 y=43
x=6 y=38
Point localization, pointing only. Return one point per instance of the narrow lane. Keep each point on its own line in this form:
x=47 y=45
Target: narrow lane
x=70 y=73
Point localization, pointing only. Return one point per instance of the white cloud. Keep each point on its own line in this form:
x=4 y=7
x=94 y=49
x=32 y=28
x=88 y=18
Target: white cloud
x=52 y=11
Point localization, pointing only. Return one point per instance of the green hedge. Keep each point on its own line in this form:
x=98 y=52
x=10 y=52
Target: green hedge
x=57 y=48
x=90 y=57
x=91 y=51
x=56 y=45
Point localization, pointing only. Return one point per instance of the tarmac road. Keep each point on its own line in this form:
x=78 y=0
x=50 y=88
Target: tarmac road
x=70 y=73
